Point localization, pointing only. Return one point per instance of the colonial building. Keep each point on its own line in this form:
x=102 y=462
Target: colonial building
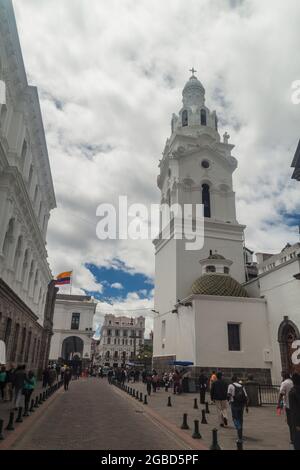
x=121 y=339
x=27 y=292
x=209 y=310
x=72 y=327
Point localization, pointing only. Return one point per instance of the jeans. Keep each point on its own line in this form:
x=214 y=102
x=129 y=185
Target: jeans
x=237 y=418
x=290 y=424
x=202 y=395
x=297 y=440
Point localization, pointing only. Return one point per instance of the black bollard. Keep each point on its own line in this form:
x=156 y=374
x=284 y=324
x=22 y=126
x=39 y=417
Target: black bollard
x=1 y=430
x=36 y=405
x=32 y=406
x=145 y=400
x=44 y=396
x=206 y=408
x=130 y=391
x=141 y=397
x=26 y=413
x=19 y=418
x=40 y=399
x=203 y=421
x=215 y=444
x=133 y=393
x=10 y=426
x=184 y=422
x=137 y=395
x=239 y=445
x=196 y=433
x=169 y=402
x=195 y=404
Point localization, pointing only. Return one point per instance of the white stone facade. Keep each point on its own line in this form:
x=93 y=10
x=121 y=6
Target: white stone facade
x=73 y=318
x=121 y=339
x=26 y=188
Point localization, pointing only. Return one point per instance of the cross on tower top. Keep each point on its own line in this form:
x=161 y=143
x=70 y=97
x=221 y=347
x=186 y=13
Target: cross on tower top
x=193 y=71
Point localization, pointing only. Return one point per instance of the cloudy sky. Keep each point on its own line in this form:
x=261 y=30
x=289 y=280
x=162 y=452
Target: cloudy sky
x=110 y=75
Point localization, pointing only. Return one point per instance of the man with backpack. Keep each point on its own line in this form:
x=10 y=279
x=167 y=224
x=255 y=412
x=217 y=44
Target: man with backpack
x=238 y=400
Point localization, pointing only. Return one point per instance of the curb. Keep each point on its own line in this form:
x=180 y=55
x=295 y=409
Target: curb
x=12 y=436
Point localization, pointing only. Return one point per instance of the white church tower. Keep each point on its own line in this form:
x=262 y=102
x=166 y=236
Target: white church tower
x=196 y=168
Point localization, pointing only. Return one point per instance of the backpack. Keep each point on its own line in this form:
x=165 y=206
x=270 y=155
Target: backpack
x=239 y=395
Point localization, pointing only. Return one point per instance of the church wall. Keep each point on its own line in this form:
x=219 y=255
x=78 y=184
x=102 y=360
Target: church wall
x=165 y=277
x=212 y=314
x=282 y=293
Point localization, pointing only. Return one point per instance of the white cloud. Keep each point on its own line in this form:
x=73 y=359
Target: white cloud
x=117 y=285
x=110 y=75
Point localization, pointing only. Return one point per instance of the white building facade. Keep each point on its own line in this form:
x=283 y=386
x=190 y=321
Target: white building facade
x=120 y=341
x=26 y=200
x=72 y=327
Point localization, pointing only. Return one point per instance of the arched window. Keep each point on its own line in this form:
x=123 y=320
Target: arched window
x=18 y=252
x=226 y=270
x=206 y=200
x=3 y=115
x=184 y=118
x=25 y=264
x=23 y=154
x=210 y=269
x=203 y=117
x=8 y=236
x=216 y=123
x=30 y=176
x=35 y=195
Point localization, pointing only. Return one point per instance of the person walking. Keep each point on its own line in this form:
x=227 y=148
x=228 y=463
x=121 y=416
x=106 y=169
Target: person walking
x=294 y=406
x=148 y=384
x=2 y=381
x=218 y=395
x=29 y=386
x=203 y=382
x=176 y=382
x=8 y=390
x=18 y=383
x=155 y=379
x=238 y=400
x=283 y=401
x=67 y=378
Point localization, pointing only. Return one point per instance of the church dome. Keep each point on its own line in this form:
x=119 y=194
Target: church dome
x=193 y=85
x=218 y=284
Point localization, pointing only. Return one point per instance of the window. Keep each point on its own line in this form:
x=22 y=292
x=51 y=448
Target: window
x=117 y=333
x=141 y=334
x=216 y=123
x=203 y=117
x=234 y=343
x=206 y=200
x=23 y=341
x=226 y=270
x=108 y=332
x=205 y=164
x=23 y=154
x=7 y=330
x=125 y=333
x=184 y=118
x=15 y=342
x=210 y=269
x=163 y=330
x=75 y=321
x=28 y=347
x=108 y=340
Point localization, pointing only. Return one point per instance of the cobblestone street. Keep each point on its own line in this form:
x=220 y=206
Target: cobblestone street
x=94 y=416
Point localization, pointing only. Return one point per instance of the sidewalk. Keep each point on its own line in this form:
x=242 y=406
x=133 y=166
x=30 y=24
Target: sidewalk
x=7 y=407
x=263 y=429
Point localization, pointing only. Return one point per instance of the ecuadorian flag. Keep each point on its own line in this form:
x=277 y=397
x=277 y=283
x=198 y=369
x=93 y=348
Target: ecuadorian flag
x=63 y=278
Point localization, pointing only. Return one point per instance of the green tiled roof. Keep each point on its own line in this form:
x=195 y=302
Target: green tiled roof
x=218 y=284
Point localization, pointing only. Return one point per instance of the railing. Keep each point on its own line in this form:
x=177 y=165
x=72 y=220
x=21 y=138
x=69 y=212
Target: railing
x=268 y=394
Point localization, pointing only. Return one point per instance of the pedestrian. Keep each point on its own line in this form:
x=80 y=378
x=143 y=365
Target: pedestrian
x=218 y=393
x=62 y=372
x=166 y=381
x=202 y=381
x=283 y=401
x=212 y=378
x=67 y=378
x=8 y=390
x=294 y=404
x=45 y=377
x=155 y=379
x=238 y=400
x=18 y=383
x=29 y=386
x=110 y=375
x=176 y=382
x=2 y=381
x=148 y=384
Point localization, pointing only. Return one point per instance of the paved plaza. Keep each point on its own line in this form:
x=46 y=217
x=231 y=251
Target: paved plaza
x=95 y=415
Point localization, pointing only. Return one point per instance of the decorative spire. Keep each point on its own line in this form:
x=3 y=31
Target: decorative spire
x=193 y=71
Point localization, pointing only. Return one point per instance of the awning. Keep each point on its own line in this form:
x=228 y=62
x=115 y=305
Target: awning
x=181 y=363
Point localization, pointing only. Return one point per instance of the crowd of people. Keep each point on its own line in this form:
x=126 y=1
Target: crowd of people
x=16 y=382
